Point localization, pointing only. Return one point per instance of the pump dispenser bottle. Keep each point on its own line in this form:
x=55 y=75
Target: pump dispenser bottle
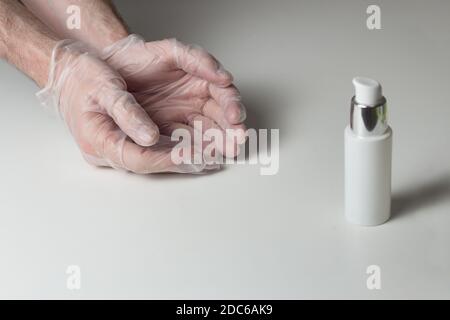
x=368 y=153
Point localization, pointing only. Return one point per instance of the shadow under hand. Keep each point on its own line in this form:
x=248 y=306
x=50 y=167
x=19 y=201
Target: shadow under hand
x=264 y=111
x=421 y=196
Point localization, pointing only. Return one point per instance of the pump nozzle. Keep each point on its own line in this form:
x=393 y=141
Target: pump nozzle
x=367 y=91
x=368 y=108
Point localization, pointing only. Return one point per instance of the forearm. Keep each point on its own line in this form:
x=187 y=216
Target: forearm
x=100 y=25
x=25 y=41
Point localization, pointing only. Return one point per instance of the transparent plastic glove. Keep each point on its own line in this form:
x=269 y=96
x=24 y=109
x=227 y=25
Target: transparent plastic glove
x=178 y=85
x=110 y=127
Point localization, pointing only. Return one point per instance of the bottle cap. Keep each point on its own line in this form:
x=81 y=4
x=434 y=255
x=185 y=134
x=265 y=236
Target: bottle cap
x=368 y=108
x=367 y=91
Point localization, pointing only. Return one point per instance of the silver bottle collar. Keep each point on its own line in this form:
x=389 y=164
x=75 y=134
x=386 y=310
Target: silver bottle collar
x=367 y=121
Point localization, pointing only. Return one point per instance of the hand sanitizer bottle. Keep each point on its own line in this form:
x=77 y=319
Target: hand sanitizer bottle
x=368 y=153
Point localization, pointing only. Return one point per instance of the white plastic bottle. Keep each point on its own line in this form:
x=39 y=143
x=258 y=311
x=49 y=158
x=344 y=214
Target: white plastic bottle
x=368 y=153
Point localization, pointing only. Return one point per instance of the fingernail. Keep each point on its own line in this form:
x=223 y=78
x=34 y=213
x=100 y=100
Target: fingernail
x=224 y=73
x=242 y=113
x=236 y=116
x=147 y=136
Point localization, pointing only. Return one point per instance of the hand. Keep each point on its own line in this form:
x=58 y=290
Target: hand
x=110 y=127
x=178 y=85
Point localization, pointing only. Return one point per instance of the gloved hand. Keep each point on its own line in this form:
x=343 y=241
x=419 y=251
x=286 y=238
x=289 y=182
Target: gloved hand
x=110 y=127
x=178 y=85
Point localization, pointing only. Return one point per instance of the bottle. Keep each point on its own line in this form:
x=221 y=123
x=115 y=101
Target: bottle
x=368 y=156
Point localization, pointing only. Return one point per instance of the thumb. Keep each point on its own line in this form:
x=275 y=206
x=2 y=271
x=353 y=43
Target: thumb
x=129 y=115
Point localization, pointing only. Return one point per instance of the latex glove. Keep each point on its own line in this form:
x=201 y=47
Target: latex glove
x=110 y=127
x=178 y=85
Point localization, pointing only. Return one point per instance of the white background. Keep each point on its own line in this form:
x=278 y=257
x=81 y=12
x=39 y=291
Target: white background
x=237 y=234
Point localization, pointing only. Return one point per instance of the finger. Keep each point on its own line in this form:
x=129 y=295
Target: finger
x=225 y=144
x=157 y=159
x=160 y=158
x=120 y=152
x=210 y=156
x=213 y=111
x=229 y=99
x=168 y=129
x=128 y=115
x=108 y=145
x=198 y=62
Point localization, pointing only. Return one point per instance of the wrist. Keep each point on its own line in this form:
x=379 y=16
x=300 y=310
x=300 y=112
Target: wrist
x=112 y=36
x=25 y=41
x=103 y=28
x=100 y=25
x=2 y=49
x=33 y=58
x=99 y=36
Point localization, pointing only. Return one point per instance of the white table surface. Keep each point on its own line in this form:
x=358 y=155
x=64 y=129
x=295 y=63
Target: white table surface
x=237 y=234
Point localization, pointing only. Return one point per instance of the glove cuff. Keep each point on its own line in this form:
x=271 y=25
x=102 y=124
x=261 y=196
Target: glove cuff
x=60 y=66
x=120 y=45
